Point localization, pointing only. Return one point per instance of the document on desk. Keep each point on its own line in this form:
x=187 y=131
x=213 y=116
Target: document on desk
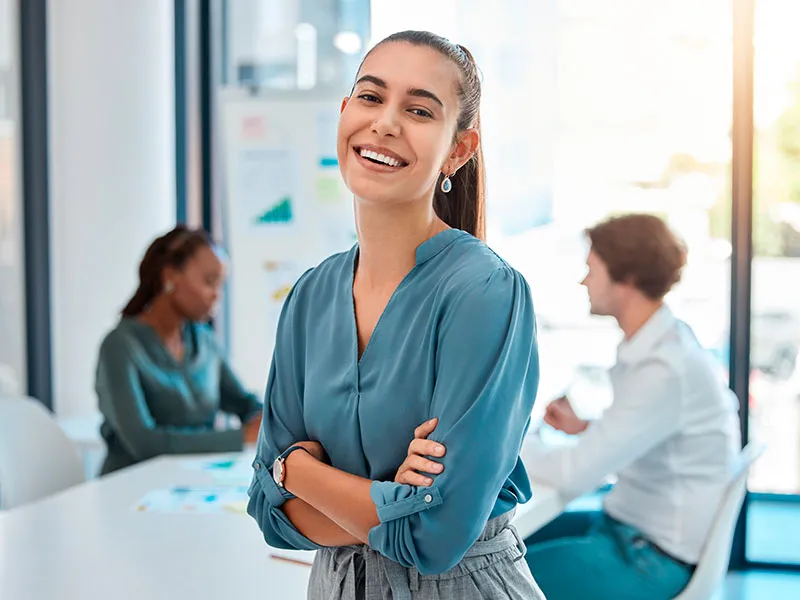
x=235 y=471
x=195 y=500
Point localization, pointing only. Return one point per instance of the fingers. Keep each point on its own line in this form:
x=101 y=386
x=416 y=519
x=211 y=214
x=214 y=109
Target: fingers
x=413 y=478
x=554 y=420
x=419 y=463
x=424 y=430
x=551 y=414
x=559 y=405
x=414 y=471
x=426 y=448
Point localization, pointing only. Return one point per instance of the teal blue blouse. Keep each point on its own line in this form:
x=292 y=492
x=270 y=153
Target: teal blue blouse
x=456 y=341
x=153 y=404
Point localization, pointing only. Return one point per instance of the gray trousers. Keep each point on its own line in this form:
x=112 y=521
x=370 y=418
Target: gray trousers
x=493 y=569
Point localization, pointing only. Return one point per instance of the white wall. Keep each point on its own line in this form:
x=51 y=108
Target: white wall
x=112 y=170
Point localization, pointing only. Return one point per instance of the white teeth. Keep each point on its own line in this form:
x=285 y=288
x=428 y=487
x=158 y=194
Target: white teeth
x=387 y=160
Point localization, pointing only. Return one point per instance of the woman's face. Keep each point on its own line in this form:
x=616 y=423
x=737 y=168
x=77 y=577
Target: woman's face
x=396 y=130
x=197 y=285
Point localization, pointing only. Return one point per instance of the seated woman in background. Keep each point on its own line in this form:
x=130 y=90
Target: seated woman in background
x=161 y=376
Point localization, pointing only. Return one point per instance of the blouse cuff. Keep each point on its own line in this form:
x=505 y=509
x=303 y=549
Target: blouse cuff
x=275 y=494
x=397 y=500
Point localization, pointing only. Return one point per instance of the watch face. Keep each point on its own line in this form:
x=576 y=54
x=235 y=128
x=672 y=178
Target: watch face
x=277 y=472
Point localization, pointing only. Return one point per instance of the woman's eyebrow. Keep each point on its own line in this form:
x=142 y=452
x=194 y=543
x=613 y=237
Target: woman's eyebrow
x=418 y=92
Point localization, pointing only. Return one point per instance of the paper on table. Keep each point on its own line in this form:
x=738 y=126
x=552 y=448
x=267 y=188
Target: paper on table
x=195 y=500
x=236 y=471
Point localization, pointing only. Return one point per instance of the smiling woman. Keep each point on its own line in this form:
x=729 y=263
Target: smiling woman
x=419 y=319
x=435 y=104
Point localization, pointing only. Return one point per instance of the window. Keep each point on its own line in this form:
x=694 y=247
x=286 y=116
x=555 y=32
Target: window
x=293 y=44
x=592 y=109
x=775 y=319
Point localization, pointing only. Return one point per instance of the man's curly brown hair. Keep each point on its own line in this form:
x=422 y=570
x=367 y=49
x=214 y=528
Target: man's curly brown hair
x=641 y=250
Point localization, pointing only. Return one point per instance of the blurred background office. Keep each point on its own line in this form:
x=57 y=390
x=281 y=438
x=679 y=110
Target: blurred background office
x=119 y=119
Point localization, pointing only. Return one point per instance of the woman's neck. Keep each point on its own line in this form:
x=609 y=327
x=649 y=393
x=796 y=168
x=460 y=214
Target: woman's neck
x=388 y=238
x=166 y=322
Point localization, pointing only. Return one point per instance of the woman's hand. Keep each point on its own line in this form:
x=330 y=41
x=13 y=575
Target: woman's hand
x=315 y=449
x=250 y=429
x=415 y=467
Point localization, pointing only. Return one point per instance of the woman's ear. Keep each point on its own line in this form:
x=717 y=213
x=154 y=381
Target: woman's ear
x=466 y=144
x=345 y=100
x=168 y=274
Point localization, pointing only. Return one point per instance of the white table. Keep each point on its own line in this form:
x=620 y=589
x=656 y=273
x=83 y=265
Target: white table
x=89 y=544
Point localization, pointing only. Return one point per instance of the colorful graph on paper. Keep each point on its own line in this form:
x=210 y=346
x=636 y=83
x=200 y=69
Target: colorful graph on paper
x=195 y=500
x=281 y=212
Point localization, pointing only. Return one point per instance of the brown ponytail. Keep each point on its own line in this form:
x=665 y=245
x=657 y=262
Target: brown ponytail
x=172 y=249
x=464 y=207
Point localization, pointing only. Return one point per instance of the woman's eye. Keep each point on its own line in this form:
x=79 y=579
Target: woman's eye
x=421 y=112
x=369 y=97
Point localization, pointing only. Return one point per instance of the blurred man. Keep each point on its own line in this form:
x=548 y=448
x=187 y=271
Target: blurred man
x=671 y=435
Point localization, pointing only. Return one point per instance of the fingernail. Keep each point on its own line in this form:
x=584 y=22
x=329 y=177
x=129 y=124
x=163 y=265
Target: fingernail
x=431 y=420
x=428 y=482
x=437 y=468
x=439 y=449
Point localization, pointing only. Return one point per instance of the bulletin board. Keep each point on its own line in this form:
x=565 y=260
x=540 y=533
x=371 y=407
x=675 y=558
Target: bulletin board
x=285 y=209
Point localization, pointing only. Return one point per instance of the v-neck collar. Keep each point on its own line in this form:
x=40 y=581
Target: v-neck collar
x=189 y=342
x=425 y=252
x=433 y=246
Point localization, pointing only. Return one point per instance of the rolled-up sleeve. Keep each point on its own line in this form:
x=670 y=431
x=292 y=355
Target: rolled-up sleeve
x=486 y=378
x=281 y=425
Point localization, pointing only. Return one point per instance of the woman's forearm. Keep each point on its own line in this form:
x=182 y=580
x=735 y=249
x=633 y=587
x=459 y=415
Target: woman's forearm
x=341 y=497
x=316 y=526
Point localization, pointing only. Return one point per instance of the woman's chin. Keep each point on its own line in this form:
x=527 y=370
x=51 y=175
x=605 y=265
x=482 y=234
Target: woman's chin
x=202 y=317
x=379 y=193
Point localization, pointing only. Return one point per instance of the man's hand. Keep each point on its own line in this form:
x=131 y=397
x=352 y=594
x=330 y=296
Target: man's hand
x=559 y=415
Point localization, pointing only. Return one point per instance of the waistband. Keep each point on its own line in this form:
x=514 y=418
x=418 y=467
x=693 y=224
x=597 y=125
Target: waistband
x=405 y=580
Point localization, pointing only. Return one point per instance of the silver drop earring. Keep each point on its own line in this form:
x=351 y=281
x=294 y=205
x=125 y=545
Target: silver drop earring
x=169 y=287
x=447 y=185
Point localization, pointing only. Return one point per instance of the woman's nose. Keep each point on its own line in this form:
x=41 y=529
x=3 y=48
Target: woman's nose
x=386 y=123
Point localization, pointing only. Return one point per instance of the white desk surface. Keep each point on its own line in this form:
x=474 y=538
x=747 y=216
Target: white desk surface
x=88 y=543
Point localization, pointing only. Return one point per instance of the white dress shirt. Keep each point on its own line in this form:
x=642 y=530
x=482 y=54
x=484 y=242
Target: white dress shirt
x=671 y=436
